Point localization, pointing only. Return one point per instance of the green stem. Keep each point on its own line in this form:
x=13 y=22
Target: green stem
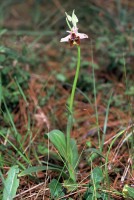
x=69 y=125
x=0 y=89
x=75 y=82
x=70 y=116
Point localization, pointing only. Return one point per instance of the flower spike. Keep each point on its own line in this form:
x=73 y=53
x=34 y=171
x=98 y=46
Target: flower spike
x=74 y=36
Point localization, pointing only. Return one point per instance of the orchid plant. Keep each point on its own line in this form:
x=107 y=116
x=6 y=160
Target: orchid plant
x=65 y=145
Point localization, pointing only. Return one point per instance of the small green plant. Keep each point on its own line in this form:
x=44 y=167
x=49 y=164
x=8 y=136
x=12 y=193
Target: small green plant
x=95 y=189
x=56 y=189
x=128 y=192
x=65 y=145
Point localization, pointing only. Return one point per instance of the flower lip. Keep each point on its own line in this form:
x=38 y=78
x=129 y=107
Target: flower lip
x=74 y=36
x=74 y=40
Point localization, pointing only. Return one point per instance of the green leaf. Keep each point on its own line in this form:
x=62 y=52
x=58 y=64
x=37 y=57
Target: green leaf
x=128 y=192
x=74 y=153
x=11 y=183
x=2 y=49
x=56 y=189
x=58 y=140
x=2 y=32
x=95 y=151
x=45 y=151
x=96 y=175
x=61 y=77
x=91 y=195
x=70 y=185
x=36 y=169
x=2 y=58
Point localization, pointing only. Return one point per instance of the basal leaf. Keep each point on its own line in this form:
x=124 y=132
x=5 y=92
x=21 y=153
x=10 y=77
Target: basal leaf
x=58 y=140
x=11 y=183
x=74 y=153
x=36 y=169
x=72 y=160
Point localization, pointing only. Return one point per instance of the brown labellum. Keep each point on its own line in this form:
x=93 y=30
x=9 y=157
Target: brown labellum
x=74 y=40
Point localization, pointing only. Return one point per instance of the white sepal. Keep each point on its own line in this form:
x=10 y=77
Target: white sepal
x=68 y=17
x=74 y=19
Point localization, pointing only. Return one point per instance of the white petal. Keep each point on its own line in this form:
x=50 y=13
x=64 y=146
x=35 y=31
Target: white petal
x=82 y=35
x=69 y=32
x=65 y=39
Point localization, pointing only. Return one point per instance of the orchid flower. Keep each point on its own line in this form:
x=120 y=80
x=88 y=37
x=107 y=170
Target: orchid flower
x=74 y=36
